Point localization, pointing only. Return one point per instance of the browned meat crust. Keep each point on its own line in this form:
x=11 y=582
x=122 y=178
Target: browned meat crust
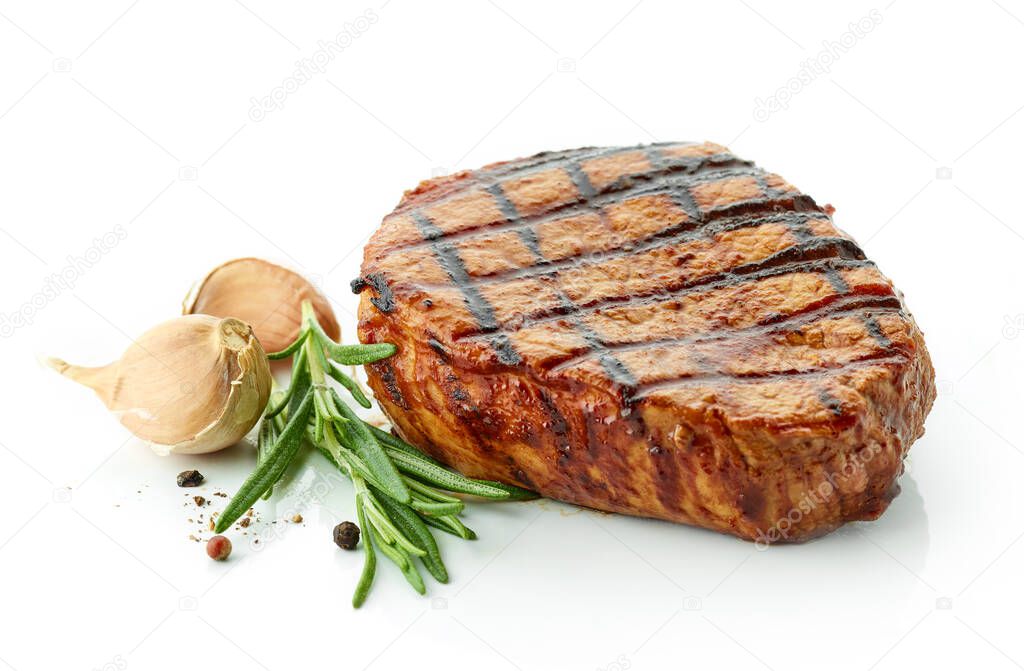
x=666 y=331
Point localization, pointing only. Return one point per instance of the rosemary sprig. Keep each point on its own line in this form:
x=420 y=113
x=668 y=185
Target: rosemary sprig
x=400 y=492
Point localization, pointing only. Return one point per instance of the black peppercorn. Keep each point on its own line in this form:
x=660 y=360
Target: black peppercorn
x=346 y=535
x=190 y=479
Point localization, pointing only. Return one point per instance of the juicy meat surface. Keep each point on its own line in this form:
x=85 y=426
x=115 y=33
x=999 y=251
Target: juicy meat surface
x=664 y=330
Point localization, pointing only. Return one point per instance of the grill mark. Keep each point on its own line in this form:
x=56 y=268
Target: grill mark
x=681 y=196
x=881 y=357
x=623 y=189
x=504 y=204
x=762 y=183
x=387 y=375
x=559 y=427
x=875 y=329
x=384 y=300
x=439 y=348
x=792 y=321
x=478 y=306
x=581 y=180
x=617 y=371
x=837 y=281
x=800 y=230
x=831 y=402
x=655 y=157
x=751 y=272
x=527 y=235
x=667 y=477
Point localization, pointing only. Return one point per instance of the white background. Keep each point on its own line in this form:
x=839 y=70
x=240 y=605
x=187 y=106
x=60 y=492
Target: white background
x=137 y=115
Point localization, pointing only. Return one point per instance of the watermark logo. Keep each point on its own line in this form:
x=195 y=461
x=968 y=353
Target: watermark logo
x=816 y=66
x=316 y=64
x=816 y=497
x=620 y=663
x=65 y=280
x=116 y=663
x=565 y=65
x=1013 y=326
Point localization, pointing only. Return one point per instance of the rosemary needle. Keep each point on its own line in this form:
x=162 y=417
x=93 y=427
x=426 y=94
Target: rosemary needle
x=279 y=455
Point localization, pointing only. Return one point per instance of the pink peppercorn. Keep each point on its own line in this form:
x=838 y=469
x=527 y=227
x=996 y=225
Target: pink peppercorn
x=218 y=547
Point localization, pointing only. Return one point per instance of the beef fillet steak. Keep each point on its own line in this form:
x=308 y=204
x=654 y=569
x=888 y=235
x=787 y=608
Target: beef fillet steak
x=666 y=331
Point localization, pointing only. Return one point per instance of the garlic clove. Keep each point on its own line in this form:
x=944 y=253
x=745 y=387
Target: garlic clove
x=263 y=294
x=190 y=385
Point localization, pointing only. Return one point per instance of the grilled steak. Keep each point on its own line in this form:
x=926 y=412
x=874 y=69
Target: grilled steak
x=665 y=330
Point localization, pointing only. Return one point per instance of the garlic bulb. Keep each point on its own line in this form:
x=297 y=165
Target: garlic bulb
x=262 y=294
x=190 y=385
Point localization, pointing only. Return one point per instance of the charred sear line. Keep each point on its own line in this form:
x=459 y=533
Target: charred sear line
x=681 y=196
x=580 y=179
x=889 y=303
x=762 y=183
x=656 y=157
x=528 y=236
x=478 y=306
x=831 y=402
x=504 y=204
x=439 y=348
x=384 y=300
x=816 y=248
x=666 y=476
x=875 y=329
x=837 y=281
x=617 y=371
x=507 y=353
x=357 y=285
x=452 y=263
x=557 y=425
x=390 y=380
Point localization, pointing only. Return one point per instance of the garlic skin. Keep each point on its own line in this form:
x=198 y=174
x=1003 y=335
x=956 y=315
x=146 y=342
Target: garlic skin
x=263 y=294
x=191 y=385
